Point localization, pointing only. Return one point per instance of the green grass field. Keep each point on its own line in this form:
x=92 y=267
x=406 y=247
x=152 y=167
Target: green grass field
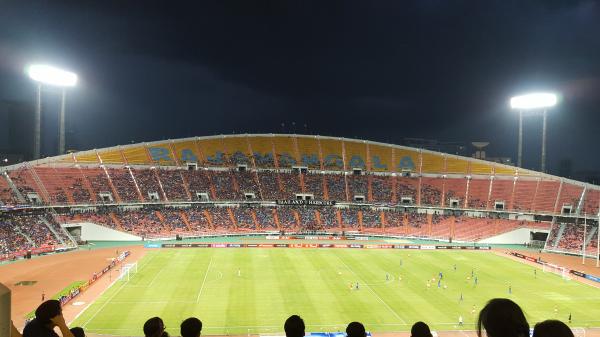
x=314 y=283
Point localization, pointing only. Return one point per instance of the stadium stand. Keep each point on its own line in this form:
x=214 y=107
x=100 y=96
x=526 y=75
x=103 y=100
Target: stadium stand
x=215 y=193
x=336 y=187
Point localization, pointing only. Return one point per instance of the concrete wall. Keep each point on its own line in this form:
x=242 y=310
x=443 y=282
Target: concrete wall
x=93 y=232
x=518 y=236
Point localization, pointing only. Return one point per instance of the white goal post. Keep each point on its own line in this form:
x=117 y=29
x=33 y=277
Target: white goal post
x=127 y=269
x=558 y=270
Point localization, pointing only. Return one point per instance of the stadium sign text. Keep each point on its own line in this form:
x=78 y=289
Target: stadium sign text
x=305 y=202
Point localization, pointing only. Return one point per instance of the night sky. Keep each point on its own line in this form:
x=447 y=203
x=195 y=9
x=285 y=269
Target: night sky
x=376 y=70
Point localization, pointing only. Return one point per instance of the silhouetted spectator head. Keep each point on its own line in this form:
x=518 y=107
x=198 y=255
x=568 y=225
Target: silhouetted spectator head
x=154 y=327
x=191 y=327
x=502 y=317
x=294 y=326
x=77 y=332
x=420 y=329
x=48 y=310
x=552 y=328
x=356 y=329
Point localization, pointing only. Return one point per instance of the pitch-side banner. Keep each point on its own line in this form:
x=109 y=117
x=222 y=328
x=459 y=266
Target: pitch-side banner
x=315 y=245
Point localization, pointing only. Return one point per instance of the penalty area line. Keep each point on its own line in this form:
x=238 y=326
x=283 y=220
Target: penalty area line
x=204 y=280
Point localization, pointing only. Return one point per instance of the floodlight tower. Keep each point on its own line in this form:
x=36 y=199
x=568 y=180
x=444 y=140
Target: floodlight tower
x=529 y=102
x=44 y=74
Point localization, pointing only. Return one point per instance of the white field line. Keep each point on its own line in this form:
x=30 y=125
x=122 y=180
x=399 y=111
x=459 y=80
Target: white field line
x=204 y=280
x=155 y=277
x=372 y=291
x=104 y=305
x=103 y=291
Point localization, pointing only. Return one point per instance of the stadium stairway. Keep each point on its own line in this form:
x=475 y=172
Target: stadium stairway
x=590 y=236
x=14 y=188
x=52 y=230
x=559 y=235
x=18 y=230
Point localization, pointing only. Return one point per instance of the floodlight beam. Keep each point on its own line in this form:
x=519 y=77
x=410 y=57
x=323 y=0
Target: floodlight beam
x=52 y=76
x=533 y=101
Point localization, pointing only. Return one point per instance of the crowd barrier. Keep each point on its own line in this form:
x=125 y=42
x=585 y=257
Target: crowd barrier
x=316 y=245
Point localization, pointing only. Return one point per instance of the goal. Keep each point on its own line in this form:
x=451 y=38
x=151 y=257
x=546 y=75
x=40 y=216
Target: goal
x=127 y=269
x=558 y=270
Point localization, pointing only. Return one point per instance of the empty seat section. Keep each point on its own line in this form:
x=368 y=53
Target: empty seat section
x=455 y=189
x=55 y=184
x=6 y=193
x=502 y=192
x=546 y=195
x=591 y=203
x=569 y=196
x=25 y=183
x=417 y=224
x=441 y=226
x=478 y=193
x=524 y=193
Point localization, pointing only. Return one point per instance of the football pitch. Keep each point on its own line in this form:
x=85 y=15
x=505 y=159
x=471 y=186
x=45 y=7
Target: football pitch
x=252 y=290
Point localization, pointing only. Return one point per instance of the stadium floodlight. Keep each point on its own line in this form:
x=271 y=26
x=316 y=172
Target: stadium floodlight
x=533 y=101
x=48 y=75
x=52 y=76
x=539 y=100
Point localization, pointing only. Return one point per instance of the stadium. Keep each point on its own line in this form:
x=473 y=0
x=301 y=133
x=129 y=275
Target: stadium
x=244 y=230
x=299 y=168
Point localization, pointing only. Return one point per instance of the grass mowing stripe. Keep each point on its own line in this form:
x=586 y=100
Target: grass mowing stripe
x=372 y=291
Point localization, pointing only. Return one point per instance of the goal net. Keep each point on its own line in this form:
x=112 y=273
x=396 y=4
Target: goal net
x=558 y=270
x=126 y=270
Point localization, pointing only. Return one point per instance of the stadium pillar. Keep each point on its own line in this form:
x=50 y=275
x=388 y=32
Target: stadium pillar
x=37 y=123
x=61 y=132
x=520 y=150
x=583 y=242
x=544 y=142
